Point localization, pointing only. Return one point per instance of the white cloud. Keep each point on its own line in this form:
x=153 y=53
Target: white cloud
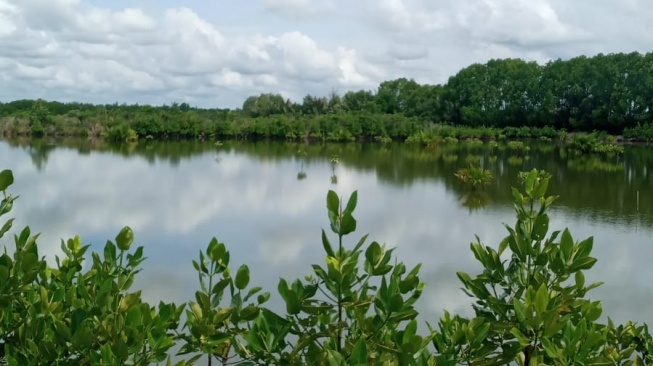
x=397 y=15
x=300 y=9
x=218 y=54
x=526 y=23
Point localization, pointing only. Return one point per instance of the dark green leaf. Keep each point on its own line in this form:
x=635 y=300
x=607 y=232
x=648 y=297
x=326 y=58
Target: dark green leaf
x=6 y=179
x=260 y=299
x=396 y=303
x=348 y=224
x=6 y=227
x=351 y=203
x=359 y=353
x=582 y=264
x=327 y=245
x=373 y=253
x=249 y=313
x=333 y=203
x=540 y=227
x=584 y=248
x=566 y=245
x=541 y=187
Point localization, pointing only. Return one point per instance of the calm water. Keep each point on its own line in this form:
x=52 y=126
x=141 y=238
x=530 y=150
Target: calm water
x=266 y=201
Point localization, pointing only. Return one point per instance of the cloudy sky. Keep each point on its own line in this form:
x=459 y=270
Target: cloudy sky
x=216 y=53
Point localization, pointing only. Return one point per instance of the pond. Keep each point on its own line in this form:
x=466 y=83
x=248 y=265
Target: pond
x=267 y=202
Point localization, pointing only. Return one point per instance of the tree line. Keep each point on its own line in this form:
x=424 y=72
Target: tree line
x=611 y=93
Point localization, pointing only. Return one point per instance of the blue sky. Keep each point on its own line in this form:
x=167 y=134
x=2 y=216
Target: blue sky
x=216 y=53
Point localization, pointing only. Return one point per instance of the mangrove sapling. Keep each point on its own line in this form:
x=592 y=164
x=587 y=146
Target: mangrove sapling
x=63 y=315
x=216 y=328
x=530 y=300
x=345 y=313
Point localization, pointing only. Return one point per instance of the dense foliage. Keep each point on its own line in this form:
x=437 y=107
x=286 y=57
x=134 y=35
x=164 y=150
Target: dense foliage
x=356 y=309
x=611 y=93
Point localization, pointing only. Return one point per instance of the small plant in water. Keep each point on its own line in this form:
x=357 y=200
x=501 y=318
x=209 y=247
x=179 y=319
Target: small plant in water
x=474 y=176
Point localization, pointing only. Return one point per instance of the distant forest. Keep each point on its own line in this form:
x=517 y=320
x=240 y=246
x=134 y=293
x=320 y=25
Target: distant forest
x=611 y=93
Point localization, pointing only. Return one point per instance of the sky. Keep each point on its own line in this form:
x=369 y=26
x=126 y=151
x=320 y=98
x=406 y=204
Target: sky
x=217 y=53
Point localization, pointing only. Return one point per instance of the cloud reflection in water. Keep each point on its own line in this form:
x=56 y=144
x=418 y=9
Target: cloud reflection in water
x=271 y=220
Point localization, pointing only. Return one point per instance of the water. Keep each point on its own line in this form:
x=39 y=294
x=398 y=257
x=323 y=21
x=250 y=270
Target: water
x=267 y=201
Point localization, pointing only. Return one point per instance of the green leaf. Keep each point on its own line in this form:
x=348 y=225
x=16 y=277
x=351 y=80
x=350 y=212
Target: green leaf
x=6 y=227
x=333 y=203
x=540 y=227
x=593 y=286
x=134 y=317
x=242 y=277
x=584 y=248
x=347 y=224
x=582 y=264
x=580 y=280
x=359 y=353
x=249 y=313
x=6 y=179
x=541 y=187
x=125 y=238
x=220 y=316
x=530 y=182
x=110 y=253
x=107 y=355
x=327 y=245
x=410 y=331
x=541 y=299
x=396 y=303
x=481 y=332
x=520 y=309
x=373 y=253
x=480 y=254
x=566 y=245
x=351 y=203
x=260 y=299
x=197 y=310
x=478 y=290
x=129 y=300
x=252 y=292
x=203 y=300
x=335 y=359
x=521 y=338
x=519 y=198
x=503 y=245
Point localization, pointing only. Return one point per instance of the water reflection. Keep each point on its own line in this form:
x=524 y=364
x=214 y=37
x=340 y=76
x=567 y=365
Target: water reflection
x=266 y=201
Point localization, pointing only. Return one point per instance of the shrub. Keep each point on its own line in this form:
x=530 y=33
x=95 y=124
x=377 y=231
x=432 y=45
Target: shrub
x=531 y=307
x=474 y=176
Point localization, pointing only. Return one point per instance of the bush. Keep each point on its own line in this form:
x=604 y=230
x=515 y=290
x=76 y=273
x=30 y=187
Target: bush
x=474 y=176
x=641 y=132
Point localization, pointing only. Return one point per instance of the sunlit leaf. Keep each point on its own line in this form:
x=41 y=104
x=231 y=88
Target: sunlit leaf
x=125 y=238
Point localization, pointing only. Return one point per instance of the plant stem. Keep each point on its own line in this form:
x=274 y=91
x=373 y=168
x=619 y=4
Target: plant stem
x=339 y=345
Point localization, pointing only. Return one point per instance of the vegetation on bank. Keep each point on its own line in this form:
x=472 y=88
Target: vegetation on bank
x=508 y=98
x=357 y=308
